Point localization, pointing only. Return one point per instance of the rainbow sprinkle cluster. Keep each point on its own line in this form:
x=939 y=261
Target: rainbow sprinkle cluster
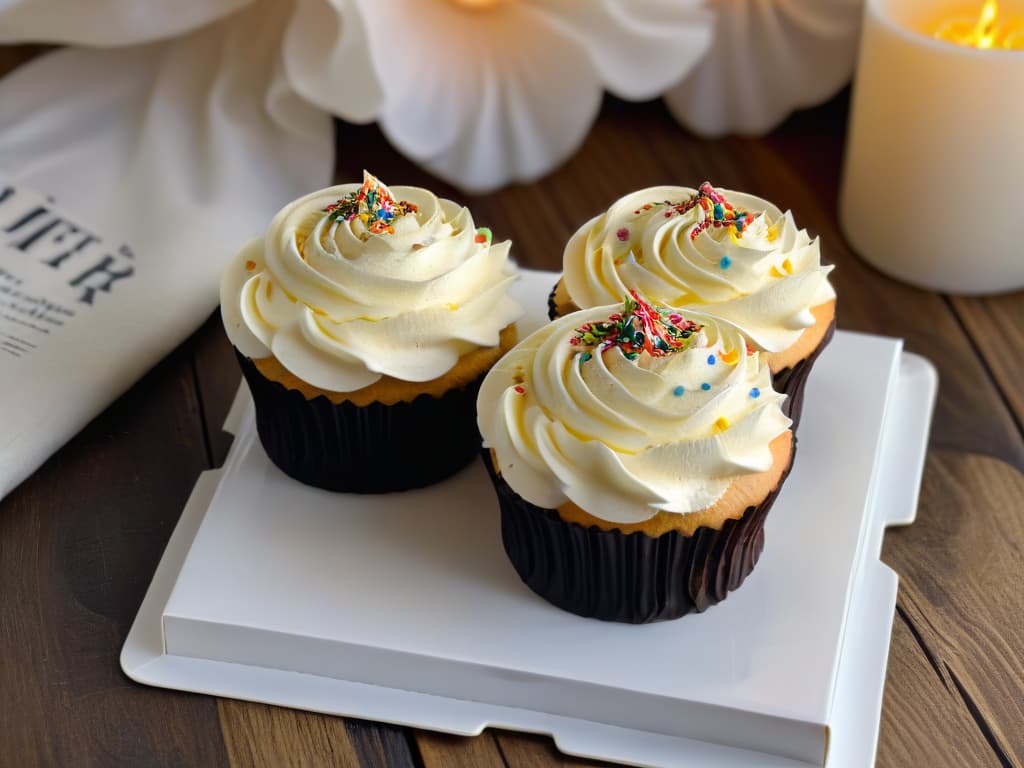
x=718 y=212
x=373 y=205
x=640 y=327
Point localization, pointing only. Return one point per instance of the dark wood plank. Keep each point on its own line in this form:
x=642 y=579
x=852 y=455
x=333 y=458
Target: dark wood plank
x=440 y=750
x=261 y=736
x=217 y=379
x=917 y=700
x=380 y=744
x=960 y=567
x=996 y=326
x=524 y=750
x=79 y=542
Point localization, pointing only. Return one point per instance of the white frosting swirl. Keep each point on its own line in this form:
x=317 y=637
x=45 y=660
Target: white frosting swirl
x=340 y=307
x=765 y=281
x=624 y=439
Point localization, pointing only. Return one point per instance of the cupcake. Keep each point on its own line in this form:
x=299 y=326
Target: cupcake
x=364 y=322
x=635 y=452
x=726 y=253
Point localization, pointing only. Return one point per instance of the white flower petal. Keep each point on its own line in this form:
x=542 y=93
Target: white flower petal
x=499 y=95
x=105 y=23
x=327 y=59
x=639 y=47
x=769 y=57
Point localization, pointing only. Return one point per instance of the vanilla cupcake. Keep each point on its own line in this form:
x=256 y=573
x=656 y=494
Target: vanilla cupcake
x=726 y=253
x=364 y=322
x=635 y=453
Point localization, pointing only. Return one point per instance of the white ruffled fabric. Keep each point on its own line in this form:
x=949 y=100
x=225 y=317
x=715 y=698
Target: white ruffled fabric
x=181 y=149
x=768 y=58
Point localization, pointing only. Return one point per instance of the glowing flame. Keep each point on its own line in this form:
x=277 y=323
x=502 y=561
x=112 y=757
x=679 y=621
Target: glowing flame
x=986 y=32
x=477 y=4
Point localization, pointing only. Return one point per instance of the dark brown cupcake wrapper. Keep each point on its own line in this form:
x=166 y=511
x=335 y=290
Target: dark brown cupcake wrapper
x=792 y=381
x=375 y=448
x=633 y=578
x=552 y=304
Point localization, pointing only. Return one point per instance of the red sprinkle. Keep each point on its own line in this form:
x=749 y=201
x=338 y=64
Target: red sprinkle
x=480 y=238
x=519 y=390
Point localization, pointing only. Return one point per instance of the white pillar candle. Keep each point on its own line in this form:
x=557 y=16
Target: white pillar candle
x=933 y=183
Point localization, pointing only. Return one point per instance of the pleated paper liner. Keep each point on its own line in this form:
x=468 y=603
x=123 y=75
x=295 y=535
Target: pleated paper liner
x=633 y=577
x=375 y=448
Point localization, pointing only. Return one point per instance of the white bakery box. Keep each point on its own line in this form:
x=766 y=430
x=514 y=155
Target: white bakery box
x=403 y=607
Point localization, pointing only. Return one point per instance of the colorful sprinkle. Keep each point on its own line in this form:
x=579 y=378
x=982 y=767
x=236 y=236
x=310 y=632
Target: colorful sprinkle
x=711 y=360
x=729 y=357
x=373 y=205
x=585 y=357
x=622 y=234
x=755 y=393
x=725 y=262
x=483 y=235
x=519 y=389
x=250 y=265
x=717 y=212
x=705 y=386
x=678 y=391
x=721 y=423
x=640 y=327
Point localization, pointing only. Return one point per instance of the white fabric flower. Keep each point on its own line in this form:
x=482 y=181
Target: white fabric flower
x=768 y=58
x=487 y=92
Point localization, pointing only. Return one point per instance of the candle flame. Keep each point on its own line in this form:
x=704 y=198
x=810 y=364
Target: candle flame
x=477 y=4
x=985 y=32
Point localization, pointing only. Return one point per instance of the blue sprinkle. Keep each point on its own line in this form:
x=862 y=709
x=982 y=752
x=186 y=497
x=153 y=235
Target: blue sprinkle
x=755 y=392
x=725 y=262
x=705 y=386
x=678 y=391
x=585 y=357
x=711 y=359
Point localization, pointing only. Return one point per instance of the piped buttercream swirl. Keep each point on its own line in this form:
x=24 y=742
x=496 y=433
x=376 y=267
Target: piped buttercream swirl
x=625 y=438
x=764 y=276
x=342 y=300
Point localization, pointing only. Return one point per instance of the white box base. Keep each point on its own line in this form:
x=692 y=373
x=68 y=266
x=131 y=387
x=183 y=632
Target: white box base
x=403 y=608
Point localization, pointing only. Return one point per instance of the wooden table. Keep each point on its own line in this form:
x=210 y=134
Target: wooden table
x=80 y=539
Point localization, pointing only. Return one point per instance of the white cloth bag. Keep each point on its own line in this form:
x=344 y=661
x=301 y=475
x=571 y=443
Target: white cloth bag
x=128 y=177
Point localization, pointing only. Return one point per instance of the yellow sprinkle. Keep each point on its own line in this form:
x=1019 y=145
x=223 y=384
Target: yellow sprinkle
x=729 y=357
x=773 y=232
x=775 y=272
x=788 y=266
x=452 y=307
x=721 y=423
x=364 y=217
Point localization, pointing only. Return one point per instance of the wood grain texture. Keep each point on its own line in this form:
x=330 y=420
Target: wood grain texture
x=525 y=750
x=960 y=567
x=79 y=542
x=441 y=750
x=261 y=736
x=996 y=326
